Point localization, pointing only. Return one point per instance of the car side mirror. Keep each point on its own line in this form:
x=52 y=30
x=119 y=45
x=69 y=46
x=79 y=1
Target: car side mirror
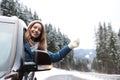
x=42 y=59
x=42 y=62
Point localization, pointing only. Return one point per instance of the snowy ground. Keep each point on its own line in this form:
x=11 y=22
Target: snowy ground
x=59 y=74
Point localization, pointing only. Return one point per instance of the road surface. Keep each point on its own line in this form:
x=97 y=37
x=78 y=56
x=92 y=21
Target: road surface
x=59 y=74
x=64 y=77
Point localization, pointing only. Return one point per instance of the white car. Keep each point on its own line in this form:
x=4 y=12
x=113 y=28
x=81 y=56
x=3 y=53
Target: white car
x=12 y=64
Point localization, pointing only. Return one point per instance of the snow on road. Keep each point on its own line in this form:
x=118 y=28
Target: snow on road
x=43 y=75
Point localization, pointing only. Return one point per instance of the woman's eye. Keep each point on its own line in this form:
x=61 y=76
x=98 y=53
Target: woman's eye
x=35 y=27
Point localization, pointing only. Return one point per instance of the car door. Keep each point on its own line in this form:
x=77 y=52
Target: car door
x=8 y=34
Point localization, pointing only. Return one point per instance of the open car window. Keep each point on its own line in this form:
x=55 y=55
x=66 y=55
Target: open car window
x=7 y=43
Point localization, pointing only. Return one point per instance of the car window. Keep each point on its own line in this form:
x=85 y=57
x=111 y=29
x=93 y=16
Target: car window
x=6 y=40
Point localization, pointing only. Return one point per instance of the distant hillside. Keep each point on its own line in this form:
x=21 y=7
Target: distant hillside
x=85 y=54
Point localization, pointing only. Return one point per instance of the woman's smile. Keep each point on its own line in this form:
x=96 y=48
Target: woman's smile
x=36 y=30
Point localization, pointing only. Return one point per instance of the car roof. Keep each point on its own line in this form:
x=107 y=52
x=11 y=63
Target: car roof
x=8 y=19
x=12 y=19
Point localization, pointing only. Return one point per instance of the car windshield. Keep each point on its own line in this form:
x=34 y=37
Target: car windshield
x=6 y=40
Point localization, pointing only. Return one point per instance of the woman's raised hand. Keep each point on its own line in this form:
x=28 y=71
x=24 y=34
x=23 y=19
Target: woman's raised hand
x=74 y=44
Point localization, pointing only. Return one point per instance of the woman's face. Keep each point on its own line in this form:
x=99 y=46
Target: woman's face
x=36 y=29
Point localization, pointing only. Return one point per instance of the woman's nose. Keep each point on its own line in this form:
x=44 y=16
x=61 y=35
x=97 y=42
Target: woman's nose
x=36 y=29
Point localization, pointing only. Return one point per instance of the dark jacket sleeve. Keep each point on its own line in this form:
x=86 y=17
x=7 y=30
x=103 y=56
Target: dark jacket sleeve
x=55 y=57
x=29 y=56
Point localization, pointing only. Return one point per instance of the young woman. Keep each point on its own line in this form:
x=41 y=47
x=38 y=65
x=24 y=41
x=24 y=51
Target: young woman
x=35 y=39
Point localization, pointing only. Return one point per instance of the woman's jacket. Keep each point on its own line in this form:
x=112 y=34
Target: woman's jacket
x=55 y=57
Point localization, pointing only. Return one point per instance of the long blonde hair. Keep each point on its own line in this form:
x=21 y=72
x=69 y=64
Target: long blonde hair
x=42 y=37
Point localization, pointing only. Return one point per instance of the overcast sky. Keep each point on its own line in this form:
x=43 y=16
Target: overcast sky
x=77 y=18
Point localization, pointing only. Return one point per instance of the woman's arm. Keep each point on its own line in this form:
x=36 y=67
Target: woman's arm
x=55 y=57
